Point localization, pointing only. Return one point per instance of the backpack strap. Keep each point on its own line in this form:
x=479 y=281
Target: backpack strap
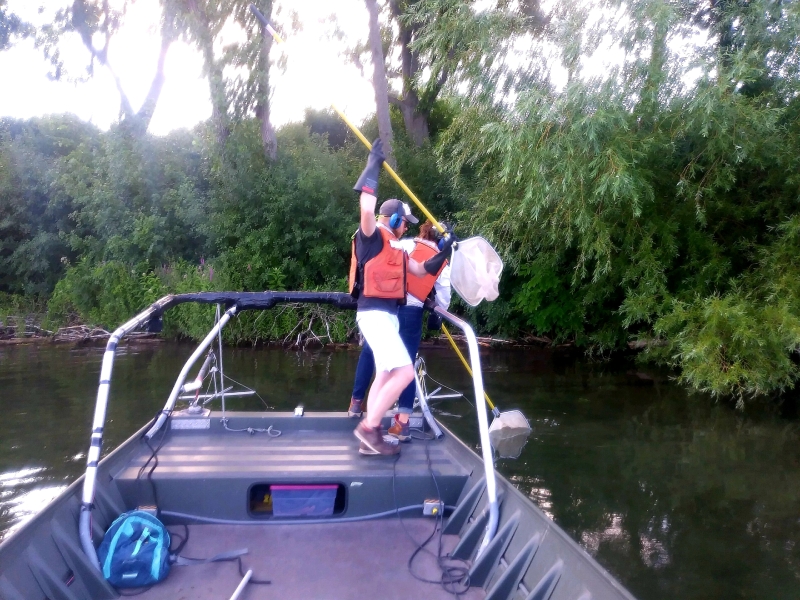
x=230 y=555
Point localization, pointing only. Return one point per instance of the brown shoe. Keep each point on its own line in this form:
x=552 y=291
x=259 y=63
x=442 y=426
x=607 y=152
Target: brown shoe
x=373 y=440
x=366 y=450
x=400 y=430
x=355 y=409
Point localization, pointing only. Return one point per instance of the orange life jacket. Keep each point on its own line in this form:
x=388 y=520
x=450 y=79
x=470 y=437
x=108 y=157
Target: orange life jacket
x=420 y=287
x=382 y=276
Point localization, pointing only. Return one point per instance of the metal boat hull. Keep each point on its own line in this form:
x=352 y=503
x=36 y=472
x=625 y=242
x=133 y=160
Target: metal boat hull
x=206 y=476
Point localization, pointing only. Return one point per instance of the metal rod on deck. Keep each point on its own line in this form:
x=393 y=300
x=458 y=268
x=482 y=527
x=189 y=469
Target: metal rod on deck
x=238 y=591
x=221 y=372
x=178 y=387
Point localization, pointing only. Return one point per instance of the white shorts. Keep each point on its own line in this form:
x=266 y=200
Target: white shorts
x=380 y=329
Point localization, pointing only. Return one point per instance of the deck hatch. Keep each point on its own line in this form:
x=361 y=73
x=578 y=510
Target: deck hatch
x=296 y=500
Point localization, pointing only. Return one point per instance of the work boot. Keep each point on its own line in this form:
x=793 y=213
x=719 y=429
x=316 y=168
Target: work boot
x=400 y=430
x=355 y=409
x=373 y=440
x=366 y=450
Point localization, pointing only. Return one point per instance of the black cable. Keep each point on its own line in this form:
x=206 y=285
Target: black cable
x=454 y=578
x=185 y=538
x=154 y=458
x=183 y=542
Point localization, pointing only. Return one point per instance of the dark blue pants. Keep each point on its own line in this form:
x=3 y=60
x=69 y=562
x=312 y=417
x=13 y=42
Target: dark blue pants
x=410 y=318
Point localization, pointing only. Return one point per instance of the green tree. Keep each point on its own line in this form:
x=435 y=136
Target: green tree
x=11 y=27
x=33 y=220
x=233 y=97
x=632 y=204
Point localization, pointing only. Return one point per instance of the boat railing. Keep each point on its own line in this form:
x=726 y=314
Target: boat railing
x=180 y=386
x=235 y=302
x=483 y=421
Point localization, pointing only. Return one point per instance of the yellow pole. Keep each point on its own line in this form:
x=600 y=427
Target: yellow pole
x=402 y=185
x=465 y=363
x=390 y=170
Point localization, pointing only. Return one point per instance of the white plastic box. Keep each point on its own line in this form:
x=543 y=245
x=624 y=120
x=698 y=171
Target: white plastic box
x=303 y=500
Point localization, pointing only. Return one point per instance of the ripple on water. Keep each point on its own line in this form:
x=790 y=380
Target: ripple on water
x=23 y=493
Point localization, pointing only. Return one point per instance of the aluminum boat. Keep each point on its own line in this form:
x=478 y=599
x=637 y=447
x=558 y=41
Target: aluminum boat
x=318 y=519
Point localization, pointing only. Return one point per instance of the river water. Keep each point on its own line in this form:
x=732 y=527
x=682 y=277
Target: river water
x=677 y=496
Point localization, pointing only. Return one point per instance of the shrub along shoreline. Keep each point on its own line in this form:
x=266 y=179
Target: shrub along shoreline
x=100 y=224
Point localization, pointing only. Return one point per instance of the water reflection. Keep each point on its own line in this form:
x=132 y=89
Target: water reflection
x=533 y=487
x=15 y=478
x=22 y=495
x=612 y=533
x=654 y=552
x=677 y=496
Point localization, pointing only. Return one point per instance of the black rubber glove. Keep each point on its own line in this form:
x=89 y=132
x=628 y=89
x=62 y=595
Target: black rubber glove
x=368 y=182
x=434 y=322
x=433 y=264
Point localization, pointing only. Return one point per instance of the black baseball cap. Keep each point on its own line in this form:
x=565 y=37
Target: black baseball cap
x=393 y=206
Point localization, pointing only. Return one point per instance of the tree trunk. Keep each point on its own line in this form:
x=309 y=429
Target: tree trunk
x=268 y=138
x=201 y=24
x=415 y=116
x=379 y=82
x=219 y=99
x=415 y=119
x=145 y=114
x=135 y=122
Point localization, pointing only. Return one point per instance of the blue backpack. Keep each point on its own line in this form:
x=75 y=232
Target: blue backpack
x=135 y=550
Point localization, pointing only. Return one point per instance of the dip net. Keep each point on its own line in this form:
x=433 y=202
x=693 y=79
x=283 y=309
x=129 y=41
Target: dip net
x=475 y=270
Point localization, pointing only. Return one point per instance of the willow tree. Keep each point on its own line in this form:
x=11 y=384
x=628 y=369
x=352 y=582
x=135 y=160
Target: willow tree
x=11 y=26
x=647 y=198
x=410 y=72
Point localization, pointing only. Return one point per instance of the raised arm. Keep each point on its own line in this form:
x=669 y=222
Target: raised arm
x=367 y=184
x=368 y=221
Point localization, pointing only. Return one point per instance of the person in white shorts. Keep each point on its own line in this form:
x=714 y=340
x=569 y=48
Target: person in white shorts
x=377 y=280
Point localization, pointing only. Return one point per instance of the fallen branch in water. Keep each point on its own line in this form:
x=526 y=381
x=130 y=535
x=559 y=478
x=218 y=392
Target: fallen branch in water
x=25 y=329
x=21 y=327
x=84 y=333
x=303 y=334
x=80 y=333
x=487 y=342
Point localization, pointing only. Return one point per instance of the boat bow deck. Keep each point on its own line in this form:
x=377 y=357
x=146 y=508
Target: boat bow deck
x=216 y=468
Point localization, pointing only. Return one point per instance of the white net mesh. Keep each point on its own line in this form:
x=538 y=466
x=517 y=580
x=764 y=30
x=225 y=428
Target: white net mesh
x=509 y=433
x=511 y=420
x=475 y=271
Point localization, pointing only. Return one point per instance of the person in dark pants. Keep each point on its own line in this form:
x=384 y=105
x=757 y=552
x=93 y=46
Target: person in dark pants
x=410 y=329
x=377 y=281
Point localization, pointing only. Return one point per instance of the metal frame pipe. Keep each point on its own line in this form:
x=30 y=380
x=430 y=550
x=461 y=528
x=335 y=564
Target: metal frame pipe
x=483 y=425
x=98 y=423
x=177 y=389
x=155 y=310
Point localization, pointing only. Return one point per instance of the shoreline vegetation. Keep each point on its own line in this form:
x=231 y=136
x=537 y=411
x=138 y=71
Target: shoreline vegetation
x=16 y=330
x=724 y=314
x=652 y=202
